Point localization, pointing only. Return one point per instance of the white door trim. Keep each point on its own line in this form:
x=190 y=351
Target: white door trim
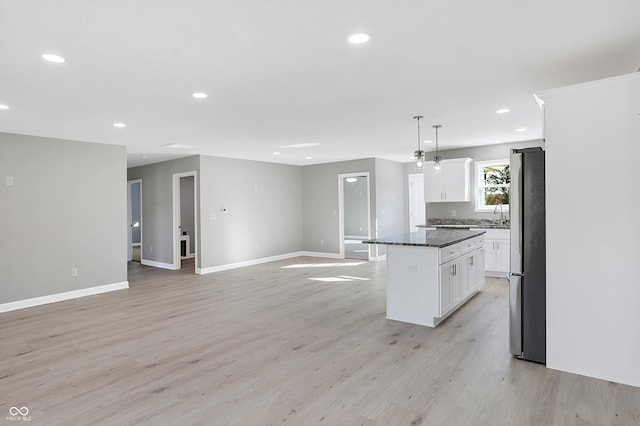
x=130 y=219
x=176 y=217
x=341 y=178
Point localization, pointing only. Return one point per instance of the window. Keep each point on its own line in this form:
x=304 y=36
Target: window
x=492 y=185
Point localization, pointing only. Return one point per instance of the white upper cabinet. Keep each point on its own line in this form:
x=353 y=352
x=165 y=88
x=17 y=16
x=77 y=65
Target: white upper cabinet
x=451 y=184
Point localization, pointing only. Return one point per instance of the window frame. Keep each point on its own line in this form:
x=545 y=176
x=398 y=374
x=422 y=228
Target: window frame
x=480 y=186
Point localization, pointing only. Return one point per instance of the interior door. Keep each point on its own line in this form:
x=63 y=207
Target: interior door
x=417 y=211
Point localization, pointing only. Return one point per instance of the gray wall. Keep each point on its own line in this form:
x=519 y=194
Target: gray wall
x=356 y=207
x=263 y=202
x=157 y=205
x=480 y=153
x=320 y=202
x=187 y=214
x=66 y=209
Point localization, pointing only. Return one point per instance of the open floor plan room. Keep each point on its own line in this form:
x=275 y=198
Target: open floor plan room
x=298 y=341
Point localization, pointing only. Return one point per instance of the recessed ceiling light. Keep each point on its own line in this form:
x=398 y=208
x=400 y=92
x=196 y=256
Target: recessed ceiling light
x=426 y=142
x=299 y=145
x=498 y=140
x=503 y=111
x=53 y=58
x=521 y=129
x=276 y=153
x=176 y=146
x=119 y=125
x=358 y=38
x=4 y=107
x=199 y=95
x=308 y=158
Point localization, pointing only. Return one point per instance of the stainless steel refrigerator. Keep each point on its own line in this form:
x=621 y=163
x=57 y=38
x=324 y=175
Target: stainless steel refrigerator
x=527 y=276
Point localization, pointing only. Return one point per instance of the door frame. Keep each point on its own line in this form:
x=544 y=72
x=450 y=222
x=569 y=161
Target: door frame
x=130 y=219
x=176 y=218
x=341 y=181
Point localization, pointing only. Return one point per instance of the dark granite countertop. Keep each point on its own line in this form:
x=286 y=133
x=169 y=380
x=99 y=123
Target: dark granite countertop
x=437 y=238
x=464 y=223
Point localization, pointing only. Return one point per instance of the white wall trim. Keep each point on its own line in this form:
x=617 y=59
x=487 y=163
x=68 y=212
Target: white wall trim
x=381 y=258
x=158 y=264
x=261 y=260
x=59 y=297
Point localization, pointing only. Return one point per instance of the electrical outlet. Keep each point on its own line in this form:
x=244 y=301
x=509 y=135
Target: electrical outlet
x=74 y=272
x=321 y=242
x=212 y=216
x=9 y=181
x=412 y=268
x=453 y=213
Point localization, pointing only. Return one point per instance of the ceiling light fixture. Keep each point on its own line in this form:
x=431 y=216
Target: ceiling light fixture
x=308 y=158
x=351 y=179
x=4 y=107
x=418 y=154
x=276 y=153
x=521 y=129
x=503 y=111
x=53 y=58
x=119 y=125
x=176 y=146
x=358 y=38
x=436 y=158
x=199 y=95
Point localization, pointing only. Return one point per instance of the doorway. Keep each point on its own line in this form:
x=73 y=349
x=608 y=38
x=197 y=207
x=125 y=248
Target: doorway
x=355 y=215
x=417 y=211
x=185 y=221
x=134 y=216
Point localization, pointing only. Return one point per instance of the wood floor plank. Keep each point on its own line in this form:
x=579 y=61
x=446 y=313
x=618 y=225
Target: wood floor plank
x=269 y=344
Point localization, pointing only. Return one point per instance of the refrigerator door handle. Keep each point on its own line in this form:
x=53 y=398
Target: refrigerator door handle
x=515 y=274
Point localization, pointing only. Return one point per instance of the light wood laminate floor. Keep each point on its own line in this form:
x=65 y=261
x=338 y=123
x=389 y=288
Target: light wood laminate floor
x=270 y=344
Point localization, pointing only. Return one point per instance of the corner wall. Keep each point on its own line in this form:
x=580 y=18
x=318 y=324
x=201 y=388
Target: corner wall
x=66 y=209
x=593 y=232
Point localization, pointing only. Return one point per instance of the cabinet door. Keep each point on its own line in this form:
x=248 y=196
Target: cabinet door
x=455 y=181
x=490 y=254
x=502 y=255
x=467 y=274
x=480 y=265
x=432 y=184
x=446 y=278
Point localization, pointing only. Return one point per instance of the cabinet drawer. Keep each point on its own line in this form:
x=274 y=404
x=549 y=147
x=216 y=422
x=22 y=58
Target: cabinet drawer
x=449 y=252
x=468 y=245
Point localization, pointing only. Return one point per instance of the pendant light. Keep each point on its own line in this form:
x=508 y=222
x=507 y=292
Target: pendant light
x=418 y=154
x=436 y=158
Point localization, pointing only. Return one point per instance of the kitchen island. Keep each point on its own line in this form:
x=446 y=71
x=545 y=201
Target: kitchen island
x=430 y=274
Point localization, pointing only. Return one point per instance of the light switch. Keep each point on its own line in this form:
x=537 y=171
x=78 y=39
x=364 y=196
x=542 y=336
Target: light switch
x=9 y=180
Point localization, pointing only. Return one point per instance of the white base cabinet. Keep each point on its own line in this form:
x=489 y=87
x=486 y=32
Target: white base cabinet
x=426 y=284
x=497 y=248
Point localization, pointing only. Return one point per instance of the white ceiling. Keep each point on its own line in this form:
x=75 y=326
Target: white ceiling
x=281 y=72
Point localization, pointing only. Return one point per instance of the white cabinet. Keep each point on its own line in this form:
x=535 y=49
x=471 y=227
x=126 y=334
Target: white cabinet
x=426 y=284
x=451 y=184
x=497 y=250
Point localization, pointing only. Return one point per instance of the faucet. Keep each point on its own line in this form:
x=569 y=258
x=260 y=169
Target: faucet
x=495 y=209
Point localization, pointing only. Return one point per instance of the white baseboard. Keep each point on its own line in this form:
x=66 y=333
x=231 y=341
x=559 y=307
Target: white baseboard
x=58 y=297
x=252 y=262
x=378 y=258
x=158 y=264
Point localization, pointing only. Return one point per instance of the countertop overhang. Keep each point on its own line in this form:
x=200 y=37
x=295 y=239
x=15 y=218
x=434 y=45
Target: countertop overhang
x=437 y=238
